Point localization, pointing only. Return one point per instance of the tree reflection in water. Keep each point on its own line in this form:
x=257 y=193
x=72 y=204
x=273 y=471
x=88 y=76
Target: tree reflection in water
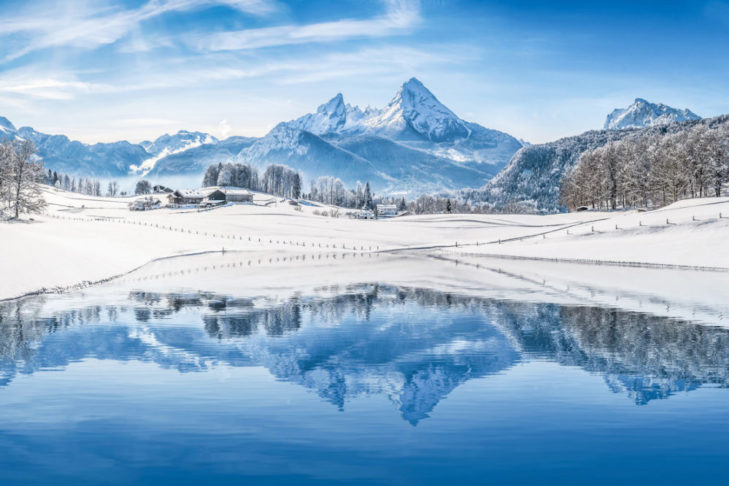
x=413 y=345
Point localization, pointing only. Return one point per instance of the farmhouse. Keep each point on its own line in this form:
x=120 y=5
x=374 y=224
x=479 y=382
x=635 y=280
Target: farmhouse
x=386 y=210
x=209 y=196
x=238 y=195
x=145 y=204
x=187 y=197
x=158 y=189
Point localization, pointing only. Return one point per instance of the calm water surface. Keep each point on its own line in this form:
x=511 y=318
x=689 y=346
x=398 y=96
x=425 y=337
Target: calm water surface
x=372 y=384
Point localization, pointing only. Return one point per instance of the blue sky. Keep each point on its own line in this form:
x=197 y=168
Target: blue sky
x=99 y=70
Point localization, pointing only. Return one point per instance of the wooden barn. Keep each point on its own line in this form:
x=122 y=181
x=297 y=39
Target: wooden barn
x=238 y=195
x=187 y=197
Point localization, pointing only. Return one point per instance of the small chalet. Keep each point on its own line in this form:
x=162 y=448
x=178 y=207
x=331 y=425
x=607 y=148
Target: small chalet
x=238 y=195
x=386 y=210
x=145 y=204
x=158 y=189
x=187 y=197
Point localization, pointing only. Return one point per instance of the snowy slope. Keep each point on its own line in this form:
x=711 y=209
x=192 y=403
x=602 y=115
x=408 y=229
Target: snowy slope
x=414 y=117
x=312 y=155
x=167 y=145
x=91 y=238
x=533 y=176
x=643 y=113
x=7 y=129
x=73 y=157
x=195 y=159
x=416 y=109
x=415 y=144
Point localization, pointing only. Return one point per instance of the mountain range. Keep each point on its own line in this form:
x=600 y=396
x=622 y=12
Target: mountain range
x=413 y=145
x=643 y=114
x=533 y=177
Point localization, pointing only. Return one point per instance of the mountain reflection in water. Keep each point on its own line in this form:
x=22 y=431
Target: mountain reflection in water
x=415 y=346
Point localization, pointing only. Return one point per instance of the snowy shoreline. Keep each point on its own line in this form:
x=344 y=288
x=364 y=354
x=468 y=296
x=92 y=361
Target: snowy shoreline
x=83 y=240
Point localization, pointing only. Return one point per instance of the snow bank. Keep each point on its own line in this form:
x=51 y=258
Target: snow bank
x=87 y=239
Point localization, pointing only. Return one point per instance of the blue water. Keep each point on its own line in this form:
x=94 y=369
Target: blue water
x=373 y=385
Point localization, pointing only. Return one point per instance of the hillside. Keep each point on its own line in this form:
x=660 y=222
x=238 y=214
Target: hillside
x=534 y=175
x=413 y=145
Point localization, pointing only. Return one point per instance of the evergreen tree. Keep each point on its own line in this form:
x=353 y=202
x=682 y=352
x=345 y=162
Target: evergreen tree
x=297 y=186
x=211 y=176
x=143 y=187
x=367 y=197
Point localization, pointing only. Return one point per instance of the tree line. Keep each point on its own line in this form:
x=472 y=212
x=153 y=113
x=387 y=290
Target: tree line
x=283 y=181
x=277 y=179
x=651 y=170
x=20 y=176
x=82 y=185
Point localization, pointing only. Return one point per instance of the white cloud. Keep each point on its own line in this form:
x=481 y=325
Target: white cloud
x=224 y=129
x=222 y=68
x=47 y=87
x=399 y=16
x=89 y=25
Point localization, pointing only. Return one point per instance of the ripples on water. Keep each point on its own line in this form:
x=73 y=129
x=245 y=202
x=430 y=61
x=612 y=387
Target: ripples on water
x=372 y=384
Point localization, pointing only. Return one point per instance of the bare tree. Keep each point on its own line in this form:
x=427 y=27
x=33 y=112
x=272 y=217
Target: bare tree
x=112 y=189
x=21 y=177
x=143 y=187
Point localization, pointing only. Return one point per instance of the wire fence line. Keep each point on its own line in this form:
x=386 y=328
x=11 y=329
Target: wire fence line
x=353 y=247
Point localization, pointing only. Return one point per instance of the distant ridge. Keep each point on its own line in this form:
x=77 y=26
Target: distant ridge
x=642 y=114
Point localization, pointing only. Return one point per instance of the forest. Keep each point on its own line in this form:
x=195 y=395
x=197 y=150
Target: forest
x=650 y=169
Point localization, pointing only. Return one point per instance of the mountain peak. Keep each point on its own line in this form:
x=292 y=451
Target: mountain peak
x=416 y=108
x=414 y=84
x=415 y=93
x=329 y=117
x=334 y=107
x=643 y=113
x=6 y=125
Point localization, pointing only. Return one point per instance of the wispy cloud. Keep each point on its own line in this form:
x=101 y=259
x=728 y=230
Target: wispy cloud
x=50 y=88
x=174 y=73
x=92 y=24
x=399 y=16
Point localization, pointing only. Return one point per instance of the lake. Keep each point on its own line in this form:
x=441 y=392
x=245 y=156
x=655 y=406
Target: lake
x=149 y=381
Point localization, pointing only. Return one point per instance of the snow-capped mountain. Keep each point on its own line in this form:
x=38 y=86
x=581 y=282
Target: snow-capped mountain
x=195 y=160
x=643 y=114
x=61 y=154
x=417 y=119
x=533 y=177
x=415 y=109
x=167 y=145
x=334 y=116
x=183 y=153
x=179 y=141
x=5 y=126
x=414 y=144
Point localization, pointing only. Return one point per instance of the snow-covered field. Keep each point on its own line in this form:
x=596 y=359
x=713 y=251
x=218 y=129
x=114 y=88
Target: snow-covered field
x=88 y=239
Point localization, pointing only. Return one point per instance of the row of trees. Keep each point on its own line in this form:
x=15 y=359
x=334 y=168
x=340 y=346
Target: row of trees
x=428 y=204
x=82 y=185
x=286 y=182
x=20 y=176
x=651 y=170
x=331 y=190
x=278 y=180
